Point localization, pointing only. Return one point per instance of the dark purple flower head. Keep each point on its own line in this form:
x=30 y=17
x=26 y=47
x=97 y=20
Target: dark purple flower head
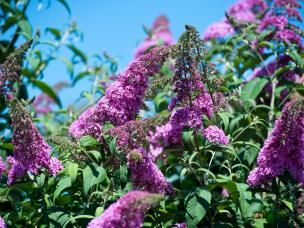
x=31 y=152
x=284 y=148
x=123 y=98
x=216 y=135
x=289 y=36
x=145 y=174
x=127 y=212
x=160 y=36
x=272 y=21
x=10 y=69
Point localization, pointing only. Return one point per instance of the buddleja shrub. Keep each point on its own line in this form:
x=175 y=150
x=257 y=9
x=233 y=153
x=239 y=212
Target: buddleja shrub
x=202 y=132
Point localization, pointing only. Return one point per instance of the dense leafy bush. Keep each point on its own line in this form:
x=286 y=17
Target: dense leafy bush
x=203 y=132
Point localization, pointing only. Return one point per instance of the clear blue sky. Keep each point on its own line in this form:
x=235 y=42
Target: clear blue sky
x=116 y=27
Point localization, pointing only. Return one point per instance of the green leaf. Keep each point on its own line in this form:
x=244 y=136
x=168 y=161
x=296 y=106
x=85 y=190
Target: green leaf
x=230 y=186
x=253 y=88
x=73 y=170
x=62 y=185
x=69 y=65
x=6 y=146
x=66 y=6
x=55 y=32
x=26 y=28
x=92 y=175
x=47 y=90
x=98 y=211
x=40 y=180
x=288 y=204
x=244 y=199
x=197 y=203
x=88 y=140
x=112 y=145
x=123 y=174
x=78 y=52
x=225 y=118
x=80 y=76
x=59 y=217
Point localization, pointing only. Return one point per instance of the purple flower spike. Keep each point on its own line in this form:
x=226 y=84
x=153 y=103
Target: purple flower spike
x=123 y=98
x=127 y=212
x=284 y=148
x=31 y=152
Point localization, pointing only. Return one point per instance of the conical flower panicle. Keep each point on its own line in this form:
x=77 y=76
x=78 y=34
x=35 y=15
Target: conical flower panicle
x=128 y=211
x=31 y=152
x=123 y=98
x=283 y=150
x=10 y=69
x=192 y=99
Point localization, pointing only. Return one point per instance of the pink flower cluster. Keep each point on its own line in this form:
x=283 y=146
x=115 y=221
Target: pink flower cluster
x=31 y=152
x=241 y=11
x=218 y=29
x=284 y=148
x=277 y=19
x=216 y=135
x=160 y=36
x=2 y=166
x=127 y=212
x=123 y=98
x=170 y=134
x=2 y=223
x=290 y=8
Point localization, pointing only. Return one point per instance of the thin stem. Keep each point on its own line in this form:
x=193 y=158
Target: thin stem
x=209 y=166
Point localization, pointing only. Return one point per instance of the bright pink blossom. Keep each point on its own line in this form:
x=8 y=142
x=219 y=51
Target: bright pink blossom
x=216 y=135
x=160 y=36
